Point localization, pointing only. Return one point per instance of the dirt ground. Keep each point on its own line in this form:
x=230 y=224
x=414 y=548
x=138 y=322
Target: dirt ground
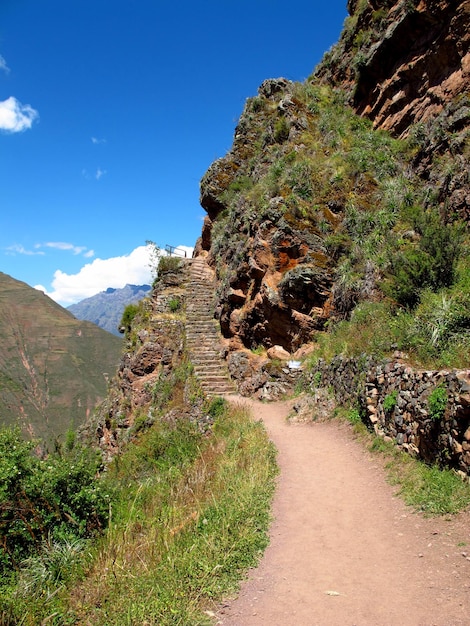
x=344 y=550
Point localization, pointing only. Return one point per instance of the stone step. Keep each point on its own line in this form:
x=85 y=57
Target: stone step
x=202 y=333
x=201 y=369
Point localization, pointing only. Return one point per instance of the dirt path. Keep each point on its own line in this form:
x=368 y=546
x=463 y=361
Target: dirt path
x=344 y=551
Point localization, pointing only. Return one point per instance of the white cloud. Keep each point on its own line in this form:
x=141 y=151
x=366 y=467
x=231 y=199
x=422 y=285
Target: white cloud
x=97 y=141
x=99 y=173
x=19 y=249
x=3 y=65
x=16 y=117
x=62 y=245
x=116 y=272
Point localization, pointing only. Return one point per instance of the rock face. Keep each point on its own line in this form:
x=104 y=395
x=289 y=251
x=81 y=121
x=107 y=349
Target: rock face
x=402 y=62
x=406 y=66
x=291 y=205
x=278 y=278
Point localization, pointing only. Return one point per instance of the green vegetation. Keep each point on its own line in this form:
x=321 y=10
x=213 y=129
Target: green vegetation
x=174 y=304
x=430 y=264
x=189 y=513
x=434 y=334
x=128 y=315
x=49 y=508
x=437 y=403
x=42 y=500
x=429 y=489
x=168 y=264
x=354 y=416
x=390 y=401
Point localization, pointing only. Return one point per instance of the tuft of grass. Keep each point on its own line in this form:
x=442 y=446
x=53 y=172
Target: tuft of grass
x=428 y=489
x=437 y=402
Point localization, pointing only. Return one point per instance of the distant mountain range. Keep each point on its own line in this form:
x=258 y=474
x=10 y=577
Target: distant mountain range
x=106 y=308
x=53 y=367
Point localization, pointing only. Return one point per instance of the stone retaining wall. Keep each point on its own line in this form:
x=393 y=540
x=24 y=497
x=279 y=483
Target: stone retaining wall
x=401 y=404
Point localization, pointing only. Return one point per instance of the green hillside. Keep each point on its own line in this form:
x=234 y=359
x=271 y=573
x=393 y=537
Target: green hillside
x=53 y=368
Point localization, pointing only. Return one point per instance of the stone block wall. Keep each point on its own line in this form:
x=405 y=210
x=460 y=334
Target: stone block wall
x=396 y=401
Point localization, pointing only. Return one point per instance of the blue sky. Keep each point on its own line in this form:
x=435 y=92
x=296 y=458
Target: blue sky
x=111 y=112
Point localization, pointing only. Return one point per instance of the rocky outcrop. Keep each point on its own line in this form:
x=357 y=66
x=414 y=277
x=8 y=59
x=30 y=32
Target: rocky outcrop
x=275 y=276
x=291 y=204
x=406 y=66
x=402 y=62
x=154 y=350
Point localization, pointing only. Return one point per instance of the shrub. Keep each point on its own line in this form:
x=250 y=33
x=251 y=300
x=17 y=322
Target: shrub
x=390 y=401
x=168 y=264
x=174 y=304
x=128 y=316
x=218 y=407
x=45 y=499
x=281 y=130
x=437 y=403
x=430 y=263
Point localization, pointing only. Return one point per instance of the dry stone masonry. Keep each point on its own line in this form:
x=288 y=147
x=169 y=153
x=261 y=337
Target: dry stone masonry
x=426 y=413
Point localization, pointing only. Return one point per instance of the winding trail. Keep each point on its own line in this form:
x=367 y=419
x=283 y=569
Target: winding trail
x=344 y=550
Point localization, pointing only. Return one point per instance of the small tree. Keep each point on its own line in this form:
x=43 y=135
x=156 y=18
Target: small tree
x=154 y=256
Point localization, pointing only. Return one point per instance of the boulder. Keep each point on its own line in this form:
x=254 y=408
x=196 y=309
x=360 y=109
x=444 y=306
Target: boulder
x=278 y=352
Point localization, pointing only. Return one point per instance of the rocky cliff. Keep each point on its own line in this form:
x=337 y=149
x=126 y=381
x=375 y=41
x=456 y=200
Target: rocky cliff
x=306 y=212
x=406 y=66
x=401 y=62
x=329 y=198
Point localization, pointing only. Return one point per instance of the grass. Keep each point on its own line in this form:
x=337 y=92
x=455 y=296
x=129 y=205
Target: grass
x=192 y=516
x=435 y=335
x=427 y=489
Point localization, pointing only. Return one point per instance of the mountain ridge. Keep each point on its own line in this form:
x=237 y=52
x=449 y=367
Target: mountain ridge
x=105 y=309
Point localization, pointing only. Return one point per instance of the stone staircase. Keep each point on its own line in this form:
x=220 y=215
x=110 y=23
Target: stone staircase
x=202 y=333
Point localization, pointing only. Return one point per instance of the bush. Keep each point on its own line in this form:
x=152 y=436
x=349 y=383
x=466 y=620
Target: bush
x=390 y=402
x=174 y=304
x=431 y=263
x=128 y=316
x=281 y=130
x=437 y=403
x=168 y=264
x=43 y=499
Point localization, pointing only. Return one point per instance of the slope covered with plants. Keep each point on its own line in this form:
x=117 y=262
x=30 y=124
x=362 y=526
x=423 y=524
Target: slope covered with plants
x=318 y=218
x=53 y=368
x=180 y=513
x=334 y=222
